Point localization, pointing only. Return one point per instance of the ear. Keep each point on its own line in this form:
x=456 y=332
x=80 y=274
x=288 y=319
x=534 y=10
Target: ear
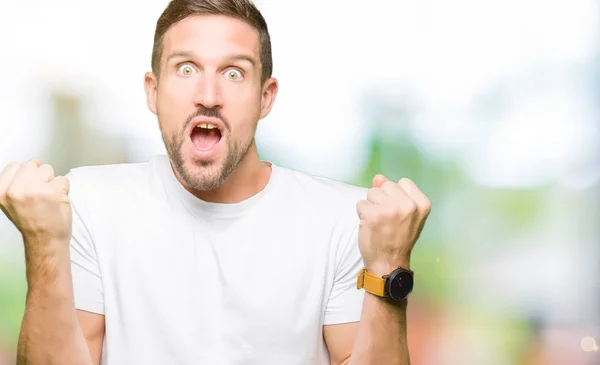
x=269 y=92
x=151 y=87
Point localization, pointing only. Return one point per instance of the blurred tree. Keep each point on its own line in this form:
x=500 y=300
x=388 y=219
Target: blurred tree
x=74 y=143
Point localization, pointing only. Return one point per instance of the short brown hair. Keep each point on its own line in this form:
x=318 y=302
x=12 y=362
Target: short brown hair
x=243 y=10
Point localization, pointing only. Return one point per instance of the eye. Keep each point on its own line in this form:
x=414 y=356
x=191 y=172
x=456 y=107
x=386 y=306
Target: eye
x=186 y=70
x=233 y=74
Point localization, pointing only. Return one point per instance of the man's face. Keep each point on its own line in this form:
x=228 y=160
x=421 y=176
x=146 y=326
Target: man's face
x=209 y=96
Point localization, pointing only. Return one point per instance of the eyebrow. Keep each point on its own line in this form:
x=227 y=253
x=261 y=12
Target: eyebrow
x=232 y=58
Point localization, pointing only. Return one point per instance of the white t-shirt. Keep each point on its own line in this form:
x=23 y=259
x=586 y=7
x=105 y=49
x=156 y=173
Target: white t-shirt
x=183 y=281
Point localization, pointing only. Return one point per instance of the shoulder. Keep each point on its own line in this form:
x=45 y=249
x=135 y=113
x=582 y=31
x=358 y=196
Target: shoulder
x=323 y=187
x=326 y=195
x=110 y=173
x=101 y=181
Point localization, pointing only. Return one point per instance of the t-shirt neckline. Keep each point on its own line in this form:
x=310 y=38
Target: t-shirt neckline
x=204 y=208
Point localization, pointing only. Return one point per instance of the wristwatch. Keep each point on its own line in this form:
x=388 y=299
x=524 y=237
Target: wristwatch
x=395 y=286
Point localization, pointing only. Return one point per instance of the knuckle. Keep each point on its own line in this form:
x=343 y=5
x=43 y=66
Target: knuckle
x=394 y=212
x=47 y=170
x=371 y=194
x=410 y=208
x=63 y=182
x=388 y=185
x=382 y=215
x=413 y=208
x=426 y=206
x=14 y=195
x=407 y=184
x=423 y=204
x=360 y=210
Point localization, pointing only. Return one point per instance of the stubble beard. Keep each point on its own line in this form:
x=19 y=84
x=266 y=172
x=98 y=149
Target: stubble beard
x=204 y=174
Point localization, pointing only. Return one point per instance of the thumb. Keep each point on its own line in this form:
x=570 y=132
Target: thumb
x=379 y=180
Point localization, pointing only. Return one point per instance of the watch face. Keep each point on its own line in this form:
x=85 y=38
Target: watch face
x=401 y=285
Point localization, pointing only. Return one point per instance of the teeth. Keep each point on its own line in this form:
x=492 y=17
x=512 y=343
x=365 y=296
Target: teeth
x=206 y=126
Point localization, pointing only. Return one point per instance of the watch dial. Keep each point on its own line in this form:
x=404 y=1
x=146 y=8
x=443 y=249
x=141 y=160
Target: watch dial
x=401 y=285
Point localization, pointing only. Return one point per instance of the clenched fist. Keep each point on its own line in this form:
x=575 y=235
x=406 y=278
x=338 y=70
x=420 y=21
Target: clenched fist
x=36 y=201
x=391 y=220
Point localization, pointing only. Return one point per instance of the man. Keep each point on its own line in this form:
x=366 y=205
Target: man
x=210 y=255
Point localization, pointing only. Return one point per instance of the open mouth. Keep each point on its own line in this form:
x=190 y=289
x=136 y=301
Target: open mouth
x=205 y=136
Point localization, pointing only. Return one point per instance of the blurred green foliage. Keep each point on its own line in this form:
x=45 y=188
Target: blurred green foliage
x=13 y=289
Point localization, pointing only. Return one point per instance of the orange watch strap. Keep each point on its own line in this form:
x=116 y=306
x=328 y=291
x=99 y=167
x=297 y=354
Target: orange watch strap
x=371 y=283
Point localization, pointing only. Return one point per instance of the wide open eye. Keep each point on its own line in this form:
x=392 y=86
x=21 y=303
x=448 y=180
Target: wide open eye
x=186 y=70
x=233 y=74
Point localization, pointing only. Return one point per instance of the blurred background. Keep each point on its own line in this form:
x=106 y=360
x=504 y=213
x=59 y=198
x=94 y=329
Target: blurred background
x=492 y=107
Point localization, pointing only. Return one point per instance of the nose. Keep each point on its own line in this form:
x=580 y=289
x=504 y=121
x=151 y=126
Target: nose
x=208 y=92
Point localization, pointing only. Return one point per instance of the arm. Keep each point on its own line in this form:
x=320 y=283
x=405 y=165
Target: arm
x=92 y=326
x=50 y=332
x=379 y=337
x=37 y=203
x=391 y=220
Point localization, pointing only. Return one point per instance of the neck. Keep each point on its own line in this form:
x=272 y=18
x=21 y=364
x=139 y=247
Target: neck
x=247 y=179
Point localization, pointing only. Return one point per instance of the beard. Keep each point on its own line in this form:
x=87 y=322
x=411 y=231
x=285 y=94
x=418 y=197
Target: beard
x=204 y=174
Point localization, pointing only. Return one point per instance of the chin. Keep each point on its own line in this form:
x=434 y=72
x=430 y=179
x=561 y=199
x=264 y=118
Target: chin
x=202 y=174
x=206 y=171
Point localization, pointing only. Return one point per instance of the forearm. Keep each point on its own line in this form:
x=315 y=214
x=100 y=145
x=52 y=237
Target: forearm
x=381 y=337
x=50 y=332
x=382 y=332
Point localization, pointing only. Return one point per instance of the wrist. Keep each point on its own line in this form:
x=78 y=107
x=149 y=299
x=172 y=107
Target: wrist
x=46 y=240
x=45 y=248
x=392 y=284
x=42 y=236
x=47 y=267
x=381 y=268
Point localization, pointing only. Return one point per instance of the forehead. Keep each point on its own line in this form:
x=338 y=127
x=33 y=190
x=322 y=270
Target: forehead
x=212 y=36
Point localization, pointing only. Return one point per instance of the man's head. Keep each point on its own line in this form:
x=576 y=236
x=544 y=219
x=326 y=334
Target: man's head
x=211 y=67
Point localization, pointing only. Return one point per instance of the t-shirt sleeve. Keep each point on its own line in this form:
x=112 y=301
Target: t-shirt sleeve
x=345 y=302
x=87 y=281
